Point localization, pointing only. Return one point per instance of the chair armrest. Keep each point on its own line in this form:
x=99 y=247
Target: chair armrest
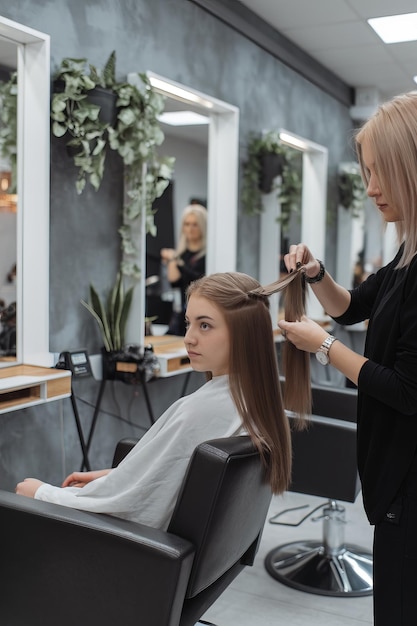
x=63 y=566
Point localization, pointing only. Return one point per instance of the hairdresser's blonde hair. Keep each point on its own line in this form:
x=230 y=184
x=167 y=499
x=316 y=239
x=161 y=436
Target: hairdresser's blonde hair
x=253 y=369
x=200 y=213
x=391 y=134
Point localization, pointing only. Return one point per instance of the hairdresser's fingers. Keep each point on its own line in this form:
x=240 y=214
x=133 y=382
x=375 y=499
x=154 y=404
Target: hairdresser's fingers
x=306 y=334
x=297 y=256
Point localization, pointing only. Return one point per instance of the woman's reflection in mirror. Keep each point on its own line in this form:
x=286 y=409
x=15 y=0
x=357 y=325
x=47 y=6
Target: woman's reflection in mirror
x=188 y=261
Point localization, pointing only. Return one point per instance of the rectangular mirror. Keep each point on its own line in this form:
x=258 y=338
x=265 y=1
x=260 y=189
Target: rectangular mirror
x=222 y=183
x=26 y=260
x=313 y=217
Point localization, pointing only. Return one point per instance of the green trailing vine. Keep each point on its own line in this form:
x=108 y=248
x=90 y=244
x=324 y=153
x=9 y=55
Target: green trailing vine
x=352 y=192
x=134 y=133
x=289 y=168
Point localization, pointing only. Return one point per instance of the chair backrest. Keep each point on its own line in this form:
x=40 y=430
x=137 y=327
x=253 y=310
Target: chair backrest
x=337 y=402
x=324 y=459
x=221 y=508
x=324 y=455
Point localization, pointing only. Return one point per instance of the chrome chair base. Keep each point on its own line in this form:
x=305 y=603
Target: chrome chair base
x=328 y=567
x=304 y=565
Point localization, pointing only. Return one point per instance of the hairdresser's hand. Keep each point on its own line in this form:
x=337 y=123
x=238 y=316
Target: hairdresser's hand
x=28 y=487
x=305 y=335
x=300 y=255
x=80 y=479
x=167 y=254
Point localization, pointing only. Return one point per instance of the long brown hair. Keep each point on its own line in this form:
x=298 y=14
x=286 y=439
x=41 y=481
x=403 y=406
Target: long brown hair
x=253 y=368
x=296 y=363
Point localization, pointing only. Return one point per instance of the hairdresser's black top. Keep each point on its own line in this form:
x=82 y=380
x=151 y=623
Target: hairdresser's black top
x=387 y=386
x=192 y=266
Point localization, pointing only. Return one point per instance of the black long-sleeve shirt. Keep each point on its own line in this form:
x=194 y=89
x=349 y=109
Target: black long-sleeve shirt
x=193 y=266
x=387 y=385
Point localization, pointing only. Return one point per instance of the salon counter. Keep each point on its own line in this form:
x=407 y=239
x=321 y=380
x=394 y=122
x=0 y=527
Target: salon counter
x=23 y=386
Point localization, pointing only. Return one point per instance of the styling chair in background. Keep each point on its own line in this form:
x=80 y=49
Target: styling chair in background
x=63 y=566
x=324 y=465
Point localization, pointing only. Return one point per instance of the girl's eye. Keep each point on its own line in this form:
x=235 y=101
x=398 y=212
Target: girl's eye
x=204 y=326
x=187 y=324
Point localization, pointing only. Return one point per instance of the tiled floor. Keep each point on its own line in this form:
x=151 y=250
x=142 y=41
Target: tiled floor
x=257 y=599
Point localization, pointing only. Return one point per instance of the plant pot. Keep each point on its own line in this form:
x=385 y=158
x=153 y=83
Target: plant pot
x=104 y=98
x=129 y=365
x=72 y=151
x=271 y=167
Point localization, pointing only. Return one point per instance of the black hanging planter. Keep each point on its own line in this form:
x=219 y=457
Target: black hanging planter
x=101 y=96
x=106 y=100
x=271 y=166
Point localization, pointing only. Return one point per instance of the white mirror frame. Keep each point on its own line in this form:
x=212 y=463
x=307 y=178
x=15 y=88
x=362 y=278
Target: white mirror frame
x=223 y=169
x=222 y=195
x=33 y=156
x=313 y=219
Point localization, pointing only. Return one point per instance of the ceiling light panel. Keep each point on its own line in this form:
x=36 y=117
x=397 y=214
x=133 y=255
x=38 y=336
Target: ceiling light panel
x=395 y=28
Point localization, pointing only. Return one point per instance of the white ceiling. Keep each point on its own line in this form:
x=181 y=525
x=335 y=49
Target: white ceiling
x=336 y=34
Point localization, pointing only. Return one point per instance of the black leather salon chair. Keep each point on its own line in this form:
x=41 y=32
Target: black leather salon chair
x=324 y=465
x=65 y=567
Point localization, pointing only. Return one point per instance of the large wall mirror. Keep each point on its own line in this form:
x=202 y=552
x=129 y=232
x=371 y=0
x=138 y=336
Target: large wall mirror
x=27 y=51
x=365 y=243
x=309 y=227
x=206 y=167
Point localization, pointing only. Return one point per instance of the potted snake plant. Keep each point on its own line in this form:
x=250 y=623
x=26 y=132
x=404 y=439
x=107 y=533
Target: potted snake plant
x=130 y=364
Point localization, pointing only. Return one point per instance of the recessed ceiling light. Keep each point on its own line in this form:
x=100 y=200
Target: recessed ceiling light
x=183 y=118
x=395 y=28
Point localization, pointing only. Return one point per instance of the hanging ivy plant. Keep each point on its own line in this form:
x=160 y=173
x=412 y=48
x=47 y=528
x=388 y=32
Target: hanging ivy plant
x=133 y=132
x=352 y=192
x=257 y=180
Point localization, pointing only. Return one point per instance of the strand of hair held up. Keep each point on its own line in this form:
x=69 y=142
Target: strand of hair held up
x=296 y=363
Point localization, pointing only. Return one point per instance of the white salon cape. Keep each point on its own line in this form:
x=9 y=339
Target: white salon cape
x=145 y=485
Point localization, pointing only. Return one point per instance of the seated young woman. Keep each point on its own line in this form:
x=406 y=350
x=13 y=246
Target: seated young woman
x=229 y=336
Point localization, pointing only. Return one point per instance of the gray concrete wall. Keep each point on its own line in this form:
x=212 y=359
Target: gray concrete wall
x=177 y=39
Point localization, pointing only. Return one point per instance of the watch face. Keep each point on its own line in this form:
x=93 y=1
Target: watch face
x=322 y=358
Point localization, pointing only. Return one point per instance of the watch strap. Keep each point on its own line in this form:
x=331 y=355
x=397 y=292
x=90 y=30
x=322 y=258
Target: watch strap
x=324 y=349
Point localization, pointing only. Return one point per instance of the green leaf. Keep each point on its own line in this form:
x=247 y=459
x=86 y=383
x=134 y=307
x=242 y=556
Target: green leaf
x=99 y=322
x=58 y=104
x=100 y=145
x=58 y=130
x=124 y=314
x=109 y=71
x=79 y=185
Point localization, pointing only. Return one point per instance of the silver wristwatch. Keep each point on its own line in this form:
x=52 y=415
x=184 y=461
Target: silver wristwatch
x=322 y=354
